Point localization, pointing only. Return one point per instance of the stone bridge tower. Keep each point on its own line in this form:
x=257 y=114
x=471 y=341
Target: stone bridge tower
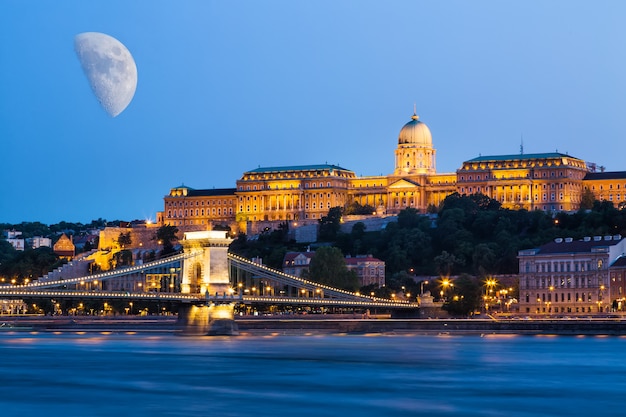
x=208 y=270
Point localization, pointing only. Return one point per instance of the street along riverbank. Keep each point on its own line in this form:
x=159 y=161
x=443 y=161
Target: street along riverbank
x=323 y=325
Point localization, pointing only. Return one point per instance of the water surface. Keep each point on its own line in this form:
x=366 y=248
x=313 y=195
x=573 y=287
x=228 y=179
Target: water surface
x=94 y=374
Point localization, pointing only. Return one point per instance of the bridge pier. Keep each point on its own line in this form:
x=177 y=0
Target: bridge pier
x=208 y=320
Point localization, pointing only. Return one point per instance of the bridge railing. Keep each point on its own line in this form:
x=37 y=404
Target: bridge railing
x=266 y=272
x=103 y=276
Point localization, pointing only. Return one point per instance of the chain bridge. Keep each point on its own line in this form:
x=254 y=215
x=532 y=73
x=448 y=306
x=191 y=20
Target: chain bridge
x=204 y=274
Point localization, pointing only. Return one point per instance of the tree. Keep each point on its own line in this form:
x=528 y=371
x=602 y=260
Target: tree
x=356 y=208
x=330 y=224
x=586 y=200
x=122 y=258
x=409 y=218
x=466 y=297
x=124 y=239
x=485 y=259
x=166 y=235
x=328 y=267
x=446 y=262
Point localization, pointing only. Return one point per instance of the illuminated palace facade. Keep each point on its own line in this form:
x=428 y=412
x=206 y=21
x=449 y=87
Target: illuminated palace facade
x=303 y=194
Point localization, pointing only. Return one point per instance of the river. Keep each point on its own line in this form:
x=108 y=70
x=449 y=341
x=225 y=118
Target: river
x=120 y=374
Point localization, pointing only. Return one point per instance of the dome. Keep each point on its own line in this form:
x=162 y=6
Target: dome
x=415 y=133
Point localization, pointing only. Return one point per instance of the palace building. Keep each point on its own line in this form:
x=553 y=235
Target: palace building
x=266 y=196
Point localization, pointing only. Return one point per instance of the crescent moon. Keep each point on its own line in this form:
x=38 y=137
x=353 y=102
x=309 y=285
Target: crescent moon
x=110 y=69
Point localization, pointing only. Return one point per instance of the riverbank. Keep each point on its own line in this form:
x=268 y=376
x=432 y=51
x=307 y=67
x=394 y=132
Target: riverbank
x=322 y=325
x=439 y=326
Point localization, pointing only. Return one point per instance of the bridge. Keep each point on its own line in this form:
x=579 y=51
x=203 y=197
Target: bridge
x=203 y=275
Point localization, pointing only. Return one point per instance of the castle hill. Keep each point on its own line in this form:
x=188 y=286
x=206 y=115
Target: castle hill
x=506 y=238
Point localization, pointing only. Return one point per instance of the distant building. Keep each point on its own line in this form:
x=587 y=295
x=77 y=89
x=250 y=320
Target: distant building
x=617 y=272
x=13 y=237
x=81 y=241
x=64 y=247
x=569 y=276
x=369 y=270
x=11 y=234
x=17 y=243
x=607 y=186
x=39 y=242
x=295 y=263
x=189 y=209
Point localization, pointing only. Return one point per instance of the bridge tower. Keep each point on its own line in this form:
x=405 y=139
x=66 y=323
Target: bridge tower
x=207 y=271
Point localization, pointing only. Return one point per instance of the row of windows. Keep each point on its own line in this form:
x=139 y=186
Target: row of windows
x=593 y=187
x=198 y=203
x=523 y=164
x=553 y=282
x=514 y=197
x=306 y=197
x=495 y=177
x=373 y=185
x=306 y=207
x=198 y=212
x=561 y=266
x=269 y=187
x=564 y=309
x=298 y=174
x=564 y=297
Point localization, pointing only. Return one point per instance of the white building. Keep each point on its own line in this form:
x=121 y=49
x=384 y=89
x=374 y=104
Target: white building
x=38 y=242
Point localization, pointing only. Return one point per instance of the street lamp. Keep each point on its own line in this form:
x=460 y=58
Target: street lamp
x=490 y=283
x=445 y=283
x=422 y=287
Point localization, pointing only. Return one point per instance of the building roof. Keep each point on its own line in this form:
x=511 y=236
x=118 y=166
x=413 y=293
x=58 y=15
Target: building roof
x=619 y=262
x=290 y=256
x=518 y=157
x=320 y=167
x=212 y=192
x=361 y=259
x=578 y=246
x=415 y=133
x=64 y=246
x=614 y=175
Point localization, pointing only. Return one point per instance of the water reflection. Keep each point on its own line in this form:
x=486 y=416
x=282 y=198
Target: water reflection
x=373 y=375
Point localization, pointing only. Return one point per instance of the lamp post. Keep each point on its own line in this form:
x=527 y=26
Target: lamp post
x=490 y=283
x=445 y=283
x=422 y=287
x=601 y=298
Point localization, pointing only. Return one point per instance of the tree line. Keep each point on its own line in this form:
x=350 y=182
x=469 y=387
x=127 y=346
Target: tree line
x=467 y=235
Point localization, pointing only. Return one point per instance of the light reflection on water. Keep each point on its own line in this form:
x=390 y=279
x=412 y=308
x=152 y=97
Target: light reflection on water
x=318 y=375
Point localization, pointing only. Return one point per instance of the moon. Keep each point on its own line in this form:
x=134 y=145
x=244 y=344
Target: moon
x=110 y=69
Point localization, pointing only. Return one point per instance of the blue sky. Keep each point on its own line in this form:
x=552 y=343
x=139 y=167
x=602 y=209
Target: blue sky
x=225 y=87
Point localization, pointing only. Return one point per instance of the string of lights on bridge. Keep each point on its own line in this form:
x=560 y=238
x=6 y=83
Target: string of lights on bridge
x=343 y=297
